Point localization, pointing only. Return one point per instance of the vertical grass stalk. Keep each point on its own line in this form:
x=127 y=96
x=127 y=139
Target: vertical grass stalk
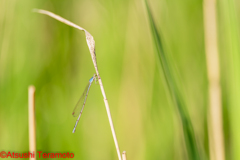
x=124 y=156
x=215 y=124
x=230 y=35
x=32 y=121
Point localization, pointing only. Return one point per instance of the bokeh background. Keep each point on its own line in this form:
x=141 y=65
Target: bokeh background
x=38 y=50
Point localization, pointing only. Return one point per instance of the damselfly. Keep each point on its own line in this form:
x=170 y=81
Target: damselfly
x=82 y=101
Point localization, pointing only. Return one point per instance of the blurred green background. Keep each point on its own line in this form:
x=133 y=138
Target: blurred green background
x=36 y=49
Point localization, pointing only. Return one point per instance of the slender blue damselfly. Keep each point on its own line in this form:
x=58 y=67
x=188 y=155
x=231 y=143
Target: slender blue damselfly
x=82 y=101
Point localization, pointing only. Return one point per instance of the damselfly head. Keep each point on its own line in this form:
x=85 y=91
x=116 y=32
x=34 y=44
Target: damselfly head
x=95 y=78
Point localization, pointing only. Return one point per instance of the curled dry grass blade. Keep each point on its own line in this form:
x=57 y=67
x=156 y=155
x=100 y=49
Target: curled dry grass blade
x=91 y=46
x=176 y=95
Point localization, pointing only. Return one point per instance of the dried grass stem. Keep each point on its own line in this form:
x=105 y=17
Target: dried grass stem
x=91 y=46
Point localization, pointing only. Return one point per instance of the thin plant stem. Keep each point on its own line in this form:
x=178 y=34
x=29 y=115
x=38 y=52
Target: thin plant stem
x=32 y=121
x=124 y=156
x=91 y=46
x=109 y=115
x=215 y=124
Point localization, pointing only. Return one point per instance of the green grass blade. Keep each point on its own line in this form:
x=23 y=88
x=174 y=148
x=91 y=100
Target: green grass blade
x=189 y=136
x=229 y=35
